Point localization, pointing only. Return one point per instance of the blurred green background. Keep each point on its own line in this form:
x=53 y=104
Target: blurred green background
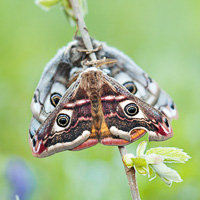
x=163 y=37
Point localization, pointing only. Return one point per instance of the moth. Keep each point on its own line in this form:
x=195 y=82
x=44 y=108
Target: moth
x=75 y=106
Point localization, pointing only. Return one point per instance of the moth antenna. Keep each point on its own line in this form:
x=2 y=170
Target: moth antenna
x=98 y=63
x=86 y=51
x=108 y=62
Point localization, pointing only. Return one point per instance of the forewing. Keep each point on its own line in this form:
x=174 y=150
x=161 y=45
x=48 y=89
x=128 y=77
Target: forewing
x=128 y=118
x=126 y=70
x=68 y=127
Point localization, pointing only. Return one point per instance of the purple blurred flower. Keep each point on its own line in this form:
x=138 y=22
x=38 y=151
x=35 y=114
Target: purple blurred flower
x=20 y=178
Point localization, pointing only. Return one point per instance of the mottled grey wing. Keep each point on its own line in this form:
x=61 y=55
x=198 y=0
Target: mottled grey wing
x=54 y=81
x=127 y=72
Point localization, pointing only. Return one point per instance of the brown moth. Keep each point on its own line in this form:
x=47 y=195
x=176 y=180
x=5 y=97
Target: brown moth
x=130 y=79
x=96 y=108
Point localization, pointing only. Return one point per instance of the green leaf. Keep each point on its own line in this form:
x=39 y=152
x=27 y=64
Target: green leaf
x=167 y=182
x=140 y=165
x=141 y=148
x=47 y=3
x=127 y=160
x=170 y=154
x=167 y=174
x=139 y=161
x=150 y=171
x=152 y=163
x=154 y=158
x=66 y=6
x=141 y=170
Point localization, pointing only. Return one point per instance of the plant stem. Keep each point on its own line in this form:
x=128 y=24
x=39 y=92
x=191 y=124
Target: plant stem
x=130 y=173
x=131 y=176
x=82 y=27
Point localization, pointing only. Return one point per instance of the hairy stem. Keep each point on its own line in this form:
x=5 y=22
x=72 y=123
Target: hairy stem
x=130 y=173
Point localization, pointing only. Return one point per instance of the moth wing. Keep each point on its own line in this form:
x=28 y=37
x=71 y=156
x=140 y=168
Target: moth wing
x=148 y=90
x=54 y=78
x=34 y=126
x=156 y=97
x=128 y=117
x=166 y=105
x=68 y=127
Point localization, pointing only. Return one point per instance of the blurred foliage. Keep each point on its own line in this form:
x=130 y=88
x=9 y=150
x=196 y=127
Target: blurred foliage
x=161 y=36
x=65 y=5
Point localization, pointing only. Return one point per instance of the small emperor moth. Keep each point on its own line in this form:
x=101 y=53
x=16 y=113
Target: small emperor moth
x=76 y=106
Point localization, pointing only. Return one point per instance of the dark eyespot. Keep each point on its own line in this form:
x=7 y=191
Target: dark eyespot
x=172 y=105
x=131 y=109
x=34 y=142
x=166 y=122
x=63 y=120
x=55 y=98
x=35 y=98
x=31 y=134
x=150 y=80
x=131 y=87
